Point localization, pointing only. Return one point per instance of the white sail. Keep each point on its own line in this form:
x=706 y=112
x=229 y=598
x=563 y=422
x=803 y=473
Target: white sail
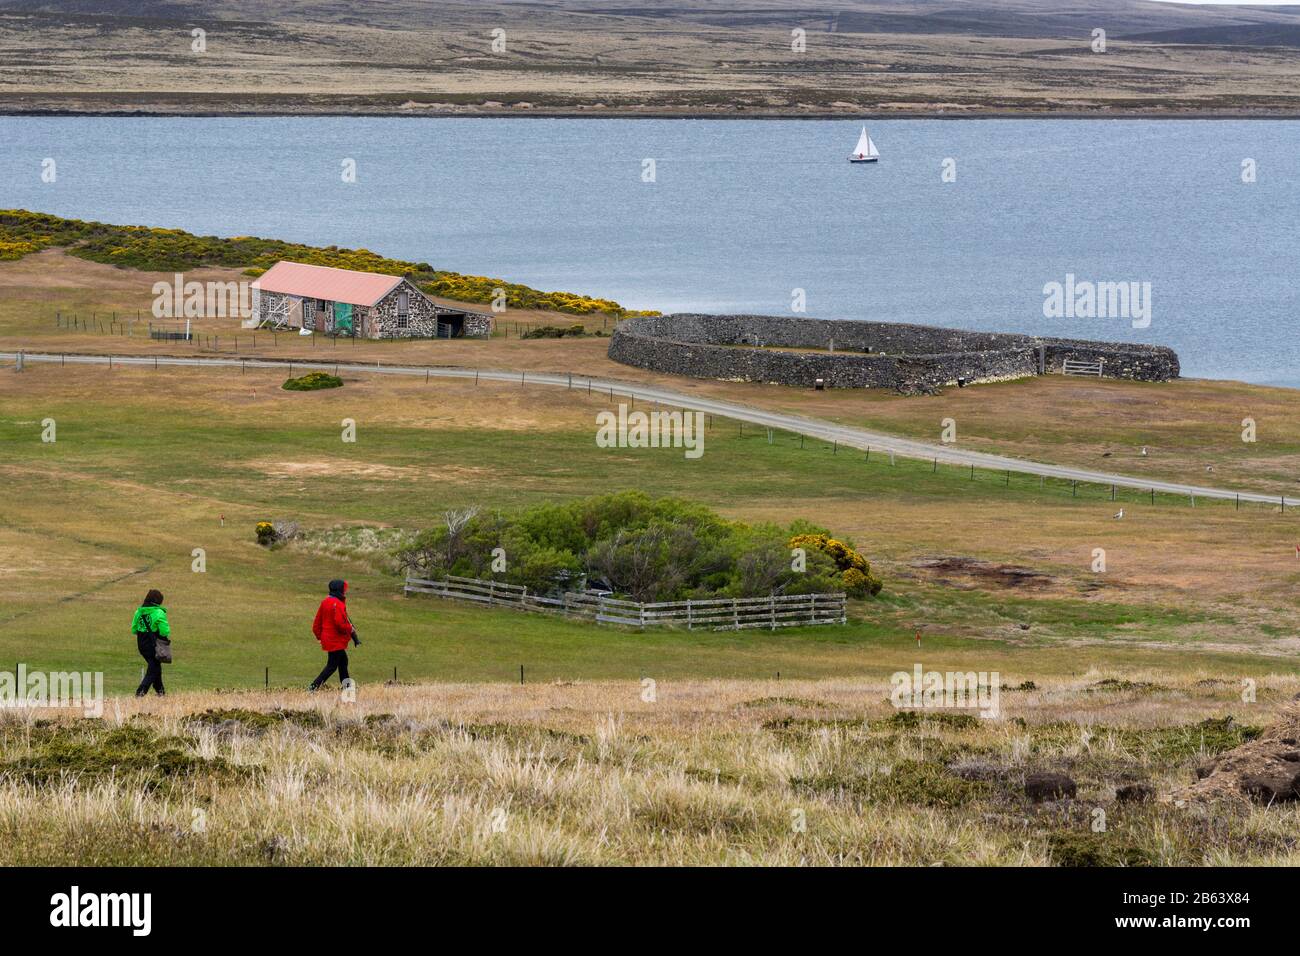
x=865 y=149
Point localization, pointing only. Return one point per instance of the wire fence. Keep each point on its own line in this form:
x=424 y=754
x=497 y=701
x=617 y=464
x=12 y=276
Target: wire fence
x=143 y=326
x=1015 y=477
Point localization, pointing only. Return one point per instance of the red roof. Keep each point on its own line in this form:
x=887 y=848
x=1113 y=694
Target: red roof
x=324 y=282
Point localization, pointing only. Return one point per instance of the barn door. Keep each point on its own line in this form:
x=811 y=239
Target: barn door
x=343 y=318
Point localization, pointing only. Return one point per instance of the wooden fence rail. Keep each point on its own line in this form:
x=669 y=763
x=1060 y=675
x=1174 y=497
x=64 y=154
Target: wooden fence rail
x=718 y=614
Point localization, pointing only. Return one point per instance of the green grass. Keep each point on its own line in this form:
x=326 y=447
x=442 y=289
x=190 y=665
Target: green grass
x=136 y=482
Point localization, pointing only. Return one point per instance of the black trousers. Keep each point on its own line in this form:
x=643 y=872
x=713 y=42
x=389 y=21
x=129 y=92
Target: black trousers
x=148 y=648
x=338 y=661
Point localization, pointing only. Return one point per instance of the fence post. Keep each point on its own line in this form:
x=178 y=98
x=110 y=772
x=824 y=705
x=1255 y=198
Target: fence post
x=812 y=609
x=735 y=614
x=771 y=610
x=690 y=618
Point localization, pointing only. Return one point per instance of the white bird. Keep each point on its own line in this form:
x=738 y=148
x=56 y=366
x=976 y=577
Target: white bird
x=1120 y=515
x=1209 y=468
x=1144 y=451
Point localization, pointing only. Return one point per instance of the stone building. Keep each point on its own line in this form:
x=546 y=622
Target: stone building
x=370 y=305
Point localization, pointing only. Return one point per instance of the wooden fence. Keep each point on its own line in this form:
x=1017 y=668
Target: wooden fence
x=718 y=614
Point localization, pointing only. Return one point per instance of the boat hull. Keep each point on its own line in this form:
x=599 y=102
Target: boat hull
x=865 y=159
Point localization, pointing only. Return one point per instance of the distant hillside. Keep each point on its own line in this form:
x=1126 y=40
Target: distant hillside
x=696 y=57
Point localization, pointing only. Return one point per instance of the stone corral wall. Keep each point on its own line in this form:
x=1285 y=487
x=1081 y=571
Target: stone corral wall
x=907 y=358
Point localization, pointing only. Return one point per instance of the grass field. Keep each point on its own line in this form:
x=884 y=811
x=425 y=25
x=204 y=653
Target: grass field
x=696 y=772
x=626 y=57
x=146 y=464
x=1186 y=425
x=758 y=747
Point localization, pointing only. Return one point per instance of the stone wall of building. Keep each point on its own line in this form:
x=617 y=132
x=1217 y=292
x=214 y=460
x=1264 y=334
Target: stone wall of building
x=478 y=324
x=907 y=358
x=380 y=320
x=421 y=318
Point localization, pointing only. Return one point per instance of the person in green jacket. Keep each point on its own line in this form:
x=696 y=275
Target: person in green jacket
x=149 y=624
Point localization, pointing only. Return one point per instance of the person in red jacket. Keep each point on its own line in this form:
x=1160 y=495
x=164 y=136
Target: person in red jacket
x=334 y=629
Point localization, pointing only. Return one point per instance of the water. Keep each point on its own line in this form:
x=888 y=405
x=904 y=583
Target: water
x=744 y=212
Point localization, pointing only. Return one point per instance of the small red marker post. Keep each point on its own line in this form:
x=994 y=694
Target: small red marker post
x=223 y=520
x=918 y=638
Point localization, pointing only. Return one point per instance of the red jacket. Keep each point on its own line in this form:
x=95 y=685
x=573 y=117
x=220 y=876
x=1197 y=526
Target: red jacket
x=332 y=627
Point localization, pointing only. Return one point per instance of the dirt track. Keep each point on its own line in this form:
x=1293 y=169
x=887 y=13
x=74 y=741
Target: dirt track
x=850 y=437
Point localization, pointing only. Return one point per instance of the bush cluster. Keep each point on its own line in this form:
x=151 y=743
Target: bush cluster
x=11 y=250
x=855 y=573
x=643 y=548
x=312 y=381
x=174 y=250
x=273 y=532
x=554 y=332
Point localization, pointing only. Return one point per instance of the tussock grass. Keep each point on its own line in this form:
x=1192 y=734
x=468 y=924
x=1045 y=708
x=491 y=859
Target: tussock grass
x=572 y=774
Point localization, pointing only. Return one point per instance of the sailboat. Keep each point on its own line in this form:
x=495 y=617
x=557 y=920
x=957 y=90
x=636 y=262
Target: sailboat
x=865 y=151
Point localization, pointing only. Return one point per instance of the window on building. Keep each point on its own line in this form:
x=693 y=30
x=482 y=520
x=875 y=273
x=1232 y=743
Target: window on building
x=403 y=309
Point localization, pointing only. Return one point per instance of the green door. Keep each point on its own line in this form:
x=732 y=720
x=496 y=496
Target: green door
x=343 y=318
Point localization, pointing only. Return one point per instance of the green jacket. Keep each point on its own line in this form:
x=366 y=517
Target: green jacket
x=151 y=619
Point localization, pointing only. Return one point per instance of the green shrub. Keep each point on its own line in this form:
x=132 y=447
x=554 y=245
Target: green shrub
x=554 y=332
x=856 y=578
x=1079 y=848
x=87 y=753
x=651 y=549
x=312 y=381
x=909 y=782
x=174 y=250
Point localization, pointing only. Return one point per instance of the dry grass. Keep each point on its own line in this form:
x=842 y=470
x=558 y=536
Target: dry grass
x=625 y=56
x=709 y=773
x=1185 y=425
x=1232 y=573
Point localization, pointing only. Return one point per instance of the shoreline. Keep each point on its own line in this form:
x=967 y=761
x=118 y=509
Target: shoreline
x=873 y=116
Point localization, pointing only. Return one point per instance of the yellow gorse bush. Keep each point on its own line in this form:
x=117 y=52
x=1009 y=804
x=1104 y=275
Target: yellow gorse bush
x=174 y=250
x=855 y=571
